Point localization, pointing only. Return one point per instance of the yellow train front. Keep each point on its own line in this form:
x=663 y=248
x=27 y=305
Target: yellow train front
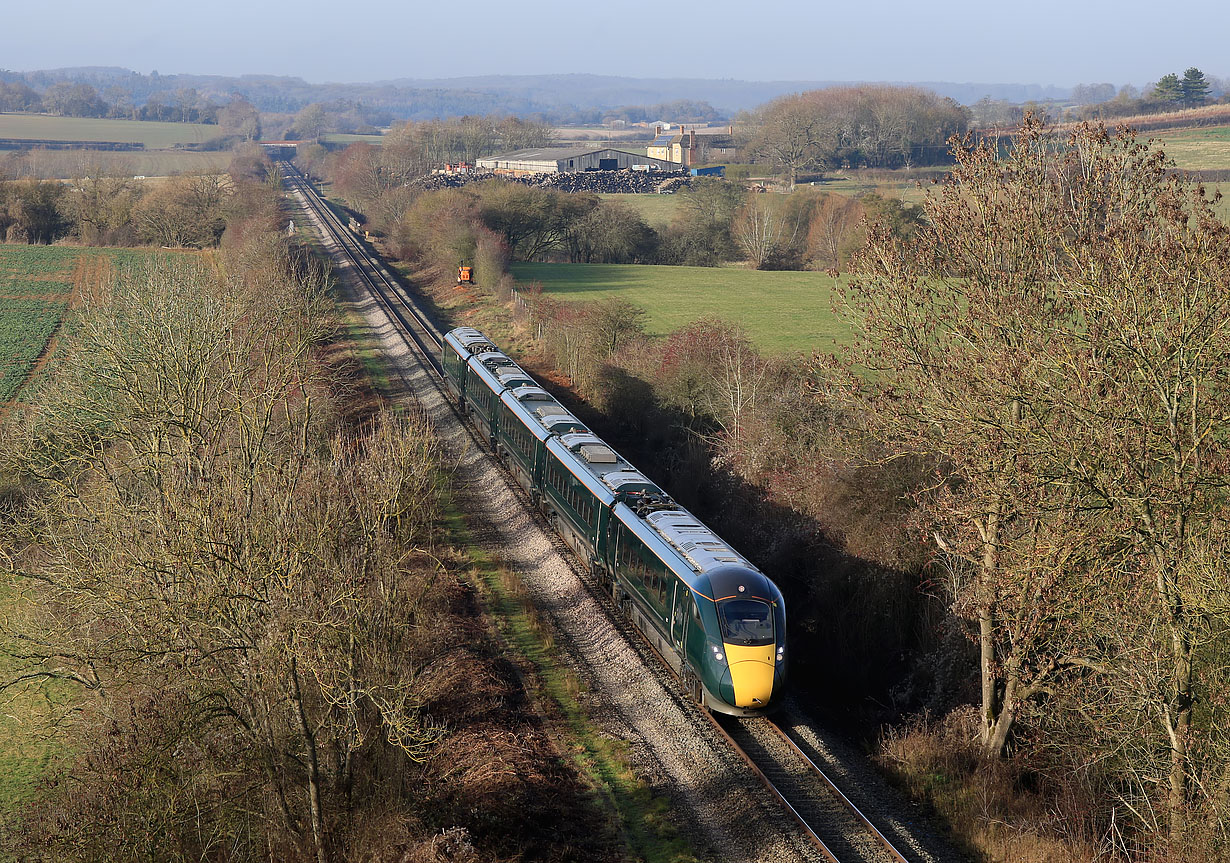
x=726 y=620
x=745 y=661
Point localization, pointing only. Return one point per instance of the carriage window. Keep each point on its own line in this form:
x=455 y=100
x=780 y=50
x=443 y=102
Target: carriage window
x=746 y=621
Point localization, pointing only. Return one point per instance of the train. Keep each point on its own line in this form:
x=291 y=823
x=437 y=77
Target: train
x=717 y=620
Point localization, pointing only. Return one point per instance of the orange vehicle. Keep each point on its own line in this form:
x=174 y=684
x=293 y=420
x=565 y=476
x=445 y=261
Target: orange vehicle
x=465 y=275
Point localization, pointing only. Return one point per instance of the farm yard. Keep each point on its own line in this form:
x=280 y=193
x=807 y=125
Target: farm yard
x=783 y=312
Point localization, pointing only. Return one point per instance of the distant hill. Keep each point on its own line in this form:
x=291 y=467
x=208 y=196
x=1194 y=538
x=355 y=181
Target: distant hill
x=609 y=91
x=559 y=98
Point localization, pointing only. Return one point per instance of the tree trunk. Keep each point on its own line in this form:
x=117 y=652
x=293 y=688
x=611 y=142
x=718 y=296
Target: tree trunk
x=996 y=741
x=986 y=624
x=1178 y=729
x=313 y=768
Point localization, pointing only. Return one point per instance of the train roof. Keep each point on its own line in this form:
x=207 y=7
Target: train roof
x=469 y=340
x=498 y=371
x=587 y=452
x=710 y=566
x=703 y=549
x=540 y=412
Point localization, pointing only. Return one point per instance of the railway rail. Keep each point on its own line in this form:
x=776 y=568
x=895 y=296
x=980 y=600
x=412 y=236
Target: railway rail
x=832 y=823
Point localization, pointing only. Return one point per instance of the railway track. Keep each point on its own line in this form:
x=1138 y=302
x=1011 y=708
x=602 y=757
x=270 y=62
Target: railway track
x=414 y=324
x=832 y=824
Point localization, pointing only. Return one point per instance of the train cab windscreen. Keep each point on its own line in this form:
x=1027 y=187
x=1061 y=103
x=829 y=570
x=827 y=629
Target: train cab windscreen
x=746 y=621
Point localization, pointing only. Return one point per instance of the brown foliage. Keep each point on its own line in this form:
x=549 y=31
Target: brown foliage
x=1036 y=343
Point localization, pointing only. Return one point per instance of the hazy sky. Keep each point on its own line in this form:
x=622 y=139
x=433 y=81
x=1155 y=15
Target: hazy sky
x=1060 y=42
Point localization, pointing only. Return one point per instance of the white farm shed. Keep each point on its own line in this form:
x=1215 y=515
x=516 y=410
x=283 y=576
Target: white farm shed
x=564 y=160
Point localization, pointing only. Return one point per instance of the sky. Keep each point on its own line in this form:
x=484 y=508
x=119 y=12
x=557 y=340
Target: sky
x=1040 y=42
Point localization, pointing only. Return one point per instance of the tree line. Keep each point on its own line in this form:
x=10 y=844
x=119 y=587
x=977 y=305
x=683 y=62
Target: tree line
x=1106 y=101
x=79 y=99
x=99 y=208
x=854 y=127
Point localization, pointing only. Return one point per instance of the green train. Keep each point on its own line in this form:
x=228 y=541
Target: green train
x=718 y=621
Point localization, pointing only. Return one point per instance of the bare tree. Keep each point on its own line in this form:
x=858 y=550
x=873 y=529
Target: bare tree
x=195 y=529
x=1054 y=341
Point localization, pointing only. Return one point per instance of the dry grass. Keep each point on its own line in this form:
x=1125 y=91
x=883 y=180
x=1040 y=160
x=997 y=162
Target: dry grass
x=66 y=164
x=990 y=812
x=1209 y=115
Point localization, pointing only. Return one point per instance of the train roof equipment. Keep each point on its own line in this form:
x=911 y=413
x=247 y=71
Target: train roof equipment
x=470 y=341
x=703 y=549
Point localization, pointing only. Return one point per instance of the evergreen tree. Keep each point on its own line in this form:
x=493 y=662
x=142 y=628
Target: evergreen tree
x=1195 y=87
x=1169 y=89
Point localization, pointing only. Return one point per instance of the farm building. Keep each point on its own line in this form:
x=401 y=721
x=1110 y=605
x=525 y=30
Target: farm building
x=559 y=160
x=694 y=146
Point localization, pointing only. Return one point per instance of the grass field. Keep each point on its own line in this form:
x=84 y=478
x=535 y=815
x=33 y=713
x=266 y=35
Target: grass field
x=157 y=160
x=657 y=210
x=152 y=135
x=346 y=138
x=25 y=752
x=1198 y=149
x=886 y=185
x=66 y=164
x=783 y=312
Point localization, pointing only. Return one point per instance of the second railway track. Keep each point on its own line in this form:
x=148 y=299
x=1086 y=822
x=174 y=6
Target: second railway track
x=829 y=821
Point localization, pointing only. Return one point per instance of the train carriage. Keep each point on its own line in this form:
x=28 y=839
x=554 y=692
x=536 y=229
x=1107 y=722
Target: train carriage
x=455 y=352
x=521 y=436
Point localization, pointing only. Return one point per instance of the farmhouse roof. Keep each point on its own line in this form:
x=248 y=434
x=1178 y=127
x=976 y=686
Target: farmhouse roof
x=547 y=154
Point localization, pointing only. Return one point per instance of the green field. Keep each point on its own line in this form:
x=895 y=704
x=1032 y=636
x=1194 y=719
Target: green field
x=152 y=135
x=783 y=312
x=26 y=325
x=34 y=292
x=347 y=138
x=1200 y=149
x=36 y=288
x=658 y=211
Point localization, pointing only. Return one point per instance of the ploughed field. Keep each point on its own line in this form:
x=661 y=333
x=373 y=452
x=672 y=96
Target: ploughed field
x=783 y=312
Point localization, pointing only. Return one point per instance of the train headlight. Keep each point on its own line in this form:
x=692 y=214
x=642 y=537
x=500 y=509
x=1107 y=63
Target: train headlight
x=781 y=652
x=717 y=652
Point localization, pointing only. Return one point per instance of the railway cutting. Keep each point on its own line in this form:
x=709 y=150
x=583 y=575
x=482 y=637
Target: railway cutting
x=746 y=795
